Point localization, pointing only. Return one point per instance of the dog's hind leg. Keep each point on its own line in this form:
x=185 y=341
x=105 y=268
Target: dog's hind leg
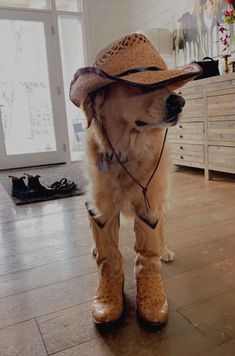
x=166 y=254
x=94 y=251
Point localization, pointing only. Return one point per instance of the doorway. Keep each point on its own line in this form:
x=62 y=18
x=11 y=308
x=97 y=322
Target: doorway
x=31 y=124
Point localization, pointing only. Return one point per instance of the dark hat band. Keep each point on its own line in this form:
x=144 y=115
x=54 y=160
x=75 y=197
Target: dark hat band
x=103 y=74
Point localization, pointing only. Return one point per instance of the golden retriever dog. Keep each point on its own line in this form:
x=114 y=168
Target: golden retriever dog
x=129 y=102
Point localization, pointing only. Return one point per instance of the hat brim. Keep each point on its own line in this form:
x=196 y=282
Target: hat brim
x=89 y=79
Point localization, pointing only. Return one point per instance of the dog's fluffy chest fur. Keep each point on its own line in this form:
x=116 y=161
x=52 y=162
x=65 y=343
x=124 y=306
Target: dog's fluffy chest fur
x=139 y=151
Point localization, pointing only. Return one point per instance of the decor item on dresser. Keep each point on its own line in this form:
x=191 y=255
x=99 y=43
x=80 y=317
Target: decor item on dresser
x=210 y=67
x=205 y=137
x=232 y=63
x=226 y=57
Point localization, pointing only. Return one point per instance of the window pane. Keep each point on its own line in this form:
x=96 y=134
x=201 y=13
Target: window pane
x=72 y=54
x=69 y=5
x=28 y=4
x=26 y=109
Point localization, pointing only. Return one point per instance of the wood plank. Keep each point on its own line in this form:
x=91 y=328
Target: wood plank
x=199 y=255
x=196 y=235
x=196 y=220
x=193 y=107
x=188 y=164
x=22 y=340
x=188 y=157
x=10 y=212
x=221 y=130
x=191 y=90
x=21 y=281
x=177 y=147
x=226 y=349
x=218 y=86
x=220 y=168
x=188 y=131
x=202 y=283
x=222 y=157
x=221 y=105
x=221 y=118
x=214 y=317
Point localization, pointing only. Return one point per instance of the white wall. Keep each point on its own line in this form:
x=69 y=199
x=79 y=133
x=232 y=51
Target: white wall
x=157 y=13
x=106 y=21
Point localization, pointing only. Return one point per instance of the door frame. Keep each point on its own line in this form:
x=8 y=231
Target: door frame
x=61 y=155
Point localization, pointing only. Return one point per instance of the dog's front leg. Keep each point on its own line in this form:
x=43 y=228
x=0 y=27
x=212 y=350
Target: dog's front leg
x=108 y=302
x=152 y=306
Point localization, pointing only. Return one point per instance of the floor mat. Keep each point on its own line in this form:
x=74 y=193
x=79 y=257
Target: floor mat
x=49 y=174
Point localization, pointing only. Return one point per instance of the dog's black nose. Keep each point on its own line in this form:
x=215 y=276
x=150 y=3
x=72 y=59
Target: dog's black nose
x=174 y=105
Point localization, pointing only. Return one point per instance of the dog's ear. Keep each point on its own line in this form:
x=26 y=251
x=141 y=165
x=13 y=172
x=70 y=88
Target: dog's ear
x=92 y=105
x=87 y=107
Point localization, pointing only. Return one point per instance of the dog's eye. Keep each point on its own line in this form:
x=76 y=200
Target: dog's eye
x=140 y=123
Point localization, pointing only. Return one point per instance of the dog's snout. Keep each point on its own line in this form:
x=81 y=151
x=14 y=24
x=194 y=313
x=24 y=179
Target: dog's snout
x=175 y=102
x=174 y=105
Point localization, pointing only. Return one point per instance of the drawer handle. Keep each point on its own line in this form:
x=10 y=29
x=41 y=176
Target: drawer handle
x=181 y=147
x=181 y=136
x=180 y=126
x=181 y=157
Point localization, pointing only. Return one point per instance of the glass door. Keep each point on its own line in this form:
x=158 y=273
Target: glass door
x=73 y=57
x=31 y=123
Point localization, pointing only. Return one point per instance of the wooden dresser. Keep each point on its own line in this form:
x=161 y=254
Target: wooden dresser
x=205 y=136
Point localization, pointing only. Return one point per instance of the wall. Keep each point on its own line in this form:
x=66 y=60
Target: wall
x=106 y=20
x=157 y=13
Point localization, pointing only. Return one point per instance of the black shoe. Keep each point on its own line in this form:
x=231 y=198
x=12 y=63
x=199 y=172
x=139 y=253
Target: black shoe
x=34 y=183
x=63 y=186
x=20 y=190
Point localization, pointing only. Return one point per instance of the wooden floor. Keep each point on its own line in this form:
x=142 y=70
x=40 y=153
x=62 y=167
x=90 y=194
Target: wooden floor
x=48 y=278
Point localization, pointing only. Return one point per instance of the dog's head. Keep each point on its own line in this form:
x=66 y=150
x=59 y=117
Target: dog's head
x=138 y=108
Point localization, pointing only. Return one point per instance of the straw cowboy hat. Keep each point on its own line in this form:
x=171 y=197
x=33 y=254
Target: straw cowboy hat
x=131 y=60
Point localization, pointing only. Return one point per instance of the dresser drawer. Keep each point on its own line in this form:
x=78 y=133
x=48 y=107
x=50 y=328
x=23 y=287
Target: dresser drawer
x=222 y=87
x=191 y=91
x=187 y=131
x=193 y=109
x=221 y=105
x=221 y=130
x=221 y=156
x=187 y=153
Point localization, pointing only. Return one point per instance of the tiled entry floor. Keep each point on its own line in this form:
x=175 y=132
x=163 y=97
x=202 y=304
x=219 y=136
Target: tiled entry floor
x=48 y=278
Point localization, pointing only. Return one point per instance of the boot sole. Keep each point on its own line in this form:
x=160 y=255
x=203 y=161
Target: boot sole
x=151 y=324
x=109 y=324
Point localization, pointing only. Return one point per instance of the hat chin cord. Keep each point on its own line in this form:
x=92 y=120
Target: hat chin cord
x=144 y=188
